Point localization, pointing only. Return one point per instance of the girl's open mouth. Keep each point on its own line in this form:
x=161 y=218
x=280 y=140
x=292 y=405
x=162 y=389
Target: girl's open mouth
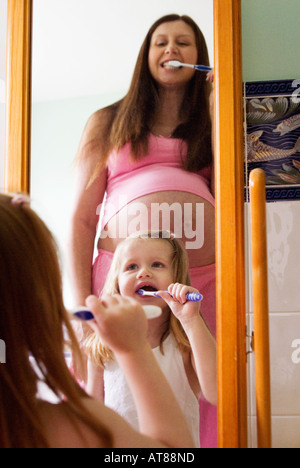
x=147 y=288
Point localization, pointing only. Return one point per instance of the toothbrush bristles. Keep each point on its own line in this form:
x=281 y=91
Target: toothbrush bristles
x=175 y=63
x=141 y=292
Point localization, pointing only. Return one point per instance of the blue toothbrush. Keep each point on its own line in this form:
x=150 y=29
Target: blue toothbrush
x=177 y=64
x=193 y=297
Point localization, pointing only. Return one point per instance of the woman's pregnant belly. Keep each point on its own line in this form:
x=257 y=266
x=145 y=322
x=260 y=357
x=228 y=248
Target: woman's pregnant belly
x=190 y=217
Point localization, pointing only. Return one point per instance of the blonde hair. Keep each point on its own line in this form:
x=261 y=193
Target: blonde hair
x=32 y=323
x=97 y=351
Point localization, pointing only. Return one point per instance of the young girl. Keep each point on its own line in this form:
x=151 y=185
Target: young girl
x=32 y=323
x=180 y=339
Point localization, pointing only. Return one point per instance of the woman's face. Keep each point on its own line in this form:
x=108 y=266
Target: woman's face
x=172 y=41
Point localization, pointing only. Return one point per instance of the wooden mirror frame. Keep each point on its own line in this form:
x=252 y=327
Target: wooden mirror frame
x=18 y=96
x=229 y=172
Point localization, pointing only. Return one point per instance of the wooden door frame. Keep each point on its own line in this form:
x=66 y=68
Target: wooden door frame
x=231 y=313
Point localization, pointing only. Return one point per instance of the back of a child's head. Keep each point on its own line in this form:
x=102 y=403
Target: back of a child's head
x=33 y=320
x=30 y=279
x=30 y=313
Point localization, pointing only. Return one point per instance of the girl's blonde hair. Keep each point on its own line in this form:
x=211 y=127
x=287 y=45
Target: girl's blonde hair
x=92 y=345
x=32 y=323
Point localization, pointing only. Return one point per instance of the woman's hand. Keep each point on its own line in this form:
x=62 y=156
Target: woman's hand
x=120 y=322
x=210 y=76
x=183 y=309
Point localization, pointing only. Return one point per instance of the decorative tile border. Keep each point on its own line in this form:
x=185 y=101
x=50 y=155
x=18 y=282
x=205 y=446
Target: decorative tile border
x=272 y=136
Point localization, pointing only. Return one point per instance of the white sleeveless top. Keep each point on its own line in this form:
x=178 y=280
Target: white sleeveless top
x=119 y=398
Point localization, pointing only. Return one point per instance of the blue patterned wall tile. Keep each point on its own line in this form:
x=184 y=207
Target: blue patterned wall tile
x=272 y=136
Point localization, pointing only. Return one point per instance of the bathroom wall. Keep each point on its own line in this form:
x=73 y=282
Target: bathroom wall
x=270 y=52
x=270 y=45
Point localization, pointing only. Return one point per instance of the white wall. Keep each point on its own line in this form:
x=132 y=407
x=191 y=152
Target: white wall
x=283 y=226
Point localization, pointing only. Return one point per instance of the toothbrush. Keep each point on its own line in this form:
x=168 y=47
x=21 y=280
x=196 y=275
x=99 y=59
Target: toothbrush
x=177 y=64
x=85 y=315
x=193 y=297
x=81 y=313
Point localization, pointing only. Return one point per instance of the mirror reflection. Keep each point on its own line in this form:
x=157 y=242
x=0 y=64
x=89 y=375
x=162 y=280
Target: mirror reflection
x=87 y=65
x=148 y=156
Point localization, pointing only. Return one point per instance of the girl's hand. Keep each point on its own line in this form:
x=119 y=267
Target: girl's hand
x=184 y=310
x=120 y=322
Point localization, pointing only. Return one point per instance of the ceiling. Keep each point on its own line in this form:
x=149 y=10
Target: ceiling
x=88 y=47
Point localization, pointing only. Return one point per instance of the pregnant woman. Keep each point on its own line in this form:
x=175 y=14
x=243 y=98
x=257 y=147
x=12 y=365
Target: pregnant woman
x=146 y=163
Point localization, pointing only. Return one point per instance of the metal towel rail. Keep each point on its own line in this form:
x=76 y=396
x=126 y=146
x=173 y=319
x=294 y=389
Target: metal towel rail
x=260 y=306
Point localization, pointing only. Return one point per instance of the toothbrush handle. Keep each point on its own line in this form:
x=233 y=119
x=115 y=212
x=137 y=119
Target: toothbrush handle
x=202 y=68
x=194 y=297
x=84 y=315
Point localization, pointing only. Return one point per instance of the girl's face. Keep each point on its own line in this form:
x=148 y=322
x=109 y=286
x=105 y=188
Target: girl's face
x=146 y=264
x=172 y=41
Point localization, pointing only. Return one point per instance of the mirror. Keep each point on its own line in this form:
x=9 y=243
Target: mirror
x=228 y=126
x=87 y=64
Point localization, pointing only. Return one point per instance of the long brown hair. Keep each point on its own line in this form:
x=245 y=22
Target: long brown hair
x=99 y=353
x=129 y=120
x=32 y=323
